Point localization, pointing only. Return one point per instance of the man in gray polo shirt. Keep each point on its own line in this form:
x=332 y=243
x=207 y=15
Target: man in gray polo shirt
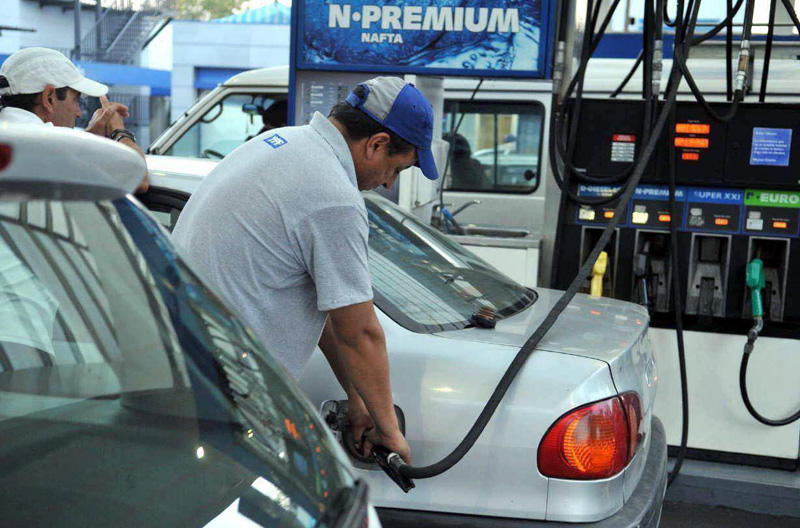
x=279 y=229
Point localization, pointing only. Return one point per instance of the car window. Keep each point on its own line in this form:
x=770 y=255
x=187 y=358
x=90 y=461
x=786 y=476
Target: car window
x=129 y=395
x=425 y=281
x=496 y=148
x=228 y=124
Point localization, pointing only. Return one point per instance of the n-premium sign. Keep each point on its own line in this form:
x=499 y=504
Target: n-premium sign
x=387 y=23
x=468 y=37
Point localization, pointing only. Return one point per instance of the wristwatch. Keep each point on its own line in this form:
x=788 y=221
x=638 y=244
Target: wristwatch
x=120 y=133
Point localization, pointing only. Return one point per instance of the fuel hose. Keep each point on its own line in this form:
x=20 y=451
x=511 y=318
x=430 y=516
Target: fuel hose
x=756 y=282
x=415 y=472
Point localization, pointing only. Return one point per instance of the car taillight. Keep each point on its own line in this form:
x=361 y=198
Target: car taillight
x=595 y=441
x=5 y=156
x=633 y=412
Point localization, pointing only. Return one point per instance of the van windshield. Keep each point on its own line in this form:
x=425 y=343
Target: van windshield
x=228 y=124
x=129 y=396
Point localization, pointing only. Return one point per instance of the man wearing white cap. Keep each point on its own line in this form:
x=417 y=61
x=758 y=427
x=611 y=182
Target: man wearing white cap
x=42 y=86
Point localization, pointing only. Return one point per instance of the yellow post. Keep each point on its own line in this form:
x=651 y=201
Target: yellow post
x=598 y=272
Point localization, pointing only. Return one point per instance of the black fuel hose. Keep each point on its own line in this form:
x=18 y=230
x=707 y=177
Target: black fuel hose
x=792 y=13
x=516 y=365
x=739 y=94
x=762 y=96
x=628 y=77
x=719 y=27
x=752 y=335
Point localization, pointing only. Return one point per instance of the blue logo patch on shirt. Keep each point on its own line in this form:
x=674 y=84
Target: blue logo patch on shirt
x=275 y=141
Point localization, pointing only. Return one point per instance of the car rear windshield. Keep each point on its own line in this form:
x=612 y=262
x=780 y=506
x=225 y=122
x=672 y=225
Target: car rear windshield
x=129 y=396
x=428 y=283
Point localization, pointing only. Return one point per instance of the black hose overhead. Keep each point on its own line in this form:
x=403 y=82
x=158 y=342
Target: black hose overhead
x=628 y=77
x=716 y=30
x=676 y=286
x=762 y=96
x=729 y=52
x=792 y=13
x=680 y=60
x=669 y=22
x=557 y=146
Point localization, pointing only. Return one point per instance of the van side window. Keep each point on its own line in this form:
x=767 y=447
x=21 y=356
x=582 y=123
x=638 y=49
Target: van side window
x=497 y=146
x=228 y=124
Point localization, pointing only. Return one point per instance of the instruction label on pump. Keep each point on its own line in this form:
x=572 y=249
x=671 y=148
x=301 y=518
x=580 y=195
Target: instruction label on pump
x=623 y=148
x=771 y=146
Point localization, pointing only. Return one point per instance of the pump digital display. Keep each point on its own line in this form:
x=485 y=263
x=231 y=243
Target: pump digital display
x=771 y=146
x=692 y=128
x=691 y=142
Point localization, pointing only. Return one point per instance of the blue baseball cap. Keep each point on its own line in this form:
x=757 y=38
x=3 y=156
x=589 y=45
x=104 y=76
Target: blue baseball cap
x=401 y=108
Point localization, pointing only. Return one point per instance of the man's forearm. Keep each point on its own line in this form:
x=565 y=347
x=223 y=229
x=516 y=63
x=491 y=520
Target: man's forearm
x=331 y=347
x=145 y=183
x=367 y=365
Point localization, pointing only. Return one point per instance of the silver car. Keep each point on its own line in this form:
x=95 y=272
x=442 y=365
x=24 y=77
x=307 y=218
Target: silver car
x=130 y=396
x=574 y=441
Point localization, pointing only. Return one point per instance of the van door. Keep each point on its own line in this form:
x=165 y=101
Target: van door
x=497 y=158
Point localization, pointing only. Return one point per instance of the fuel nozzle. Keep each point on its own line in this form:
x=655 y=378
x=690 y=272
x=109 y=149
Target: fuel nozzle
x=390 y=462
x=641 y=272
x=756 y=281
x=598 y=272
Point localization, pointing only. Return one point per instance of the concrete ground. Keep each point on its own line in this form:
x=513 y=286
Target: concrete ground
x=682 y=515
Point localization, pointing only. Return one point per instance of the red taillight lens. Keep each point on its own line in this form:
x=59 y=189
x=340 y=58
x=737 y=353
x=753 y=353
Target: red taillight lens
x=5 y=156
x=633 y=412
x=591 y=442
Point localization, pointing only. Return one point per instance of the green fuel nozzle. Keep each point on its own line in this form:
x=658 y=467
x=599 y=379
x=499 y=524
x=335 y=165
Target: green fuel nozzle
x=756 y=282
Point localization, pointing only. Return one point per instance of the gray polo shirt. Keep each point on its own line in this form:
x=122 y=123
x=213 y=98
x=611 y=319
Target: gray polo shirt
x=279 y=230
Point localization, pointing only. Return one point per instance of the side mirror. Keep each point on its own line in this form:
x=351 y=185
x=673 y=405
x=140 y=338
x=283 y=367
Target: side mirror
x=252 y=109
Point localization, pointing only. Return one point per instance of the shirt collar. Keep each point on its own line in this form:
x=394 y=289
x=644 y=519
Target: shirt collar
x=322 y=126
x=19 y=116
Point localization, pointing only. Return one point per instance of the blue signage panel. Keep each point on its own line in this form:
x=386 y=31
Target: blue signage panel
x=657 y=192
x=597 y=191
x=480 y=38
x=771 y=146
x=718 y=196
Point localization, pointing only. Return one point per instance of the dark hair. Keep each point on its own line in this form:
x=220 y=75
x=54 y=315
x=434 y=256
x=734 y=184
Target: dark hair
x=276 y=115
x=359 y=125
x=26 y=101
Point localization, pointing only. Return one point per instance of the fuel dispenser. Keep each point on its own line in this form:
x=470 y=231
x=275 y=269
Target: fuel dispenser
x=738 y=238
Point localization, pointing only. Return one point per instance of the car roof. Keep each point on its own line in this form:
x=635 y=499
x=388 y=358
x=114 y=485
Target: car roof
x=46 y=162
x=275 y=76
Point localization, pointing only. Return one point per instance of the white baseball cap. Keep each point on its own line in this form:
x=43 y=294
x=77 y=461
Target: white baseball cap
x=30 y=70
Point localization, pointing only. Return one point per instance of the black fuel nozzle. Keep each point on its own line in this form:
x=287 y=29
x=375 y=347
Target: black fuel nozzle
x=390 y=462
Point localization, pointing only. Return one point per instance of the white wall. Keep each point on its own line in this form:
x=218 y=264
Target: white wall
x=158 y=54
x=54 y=28
x=213 y=45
